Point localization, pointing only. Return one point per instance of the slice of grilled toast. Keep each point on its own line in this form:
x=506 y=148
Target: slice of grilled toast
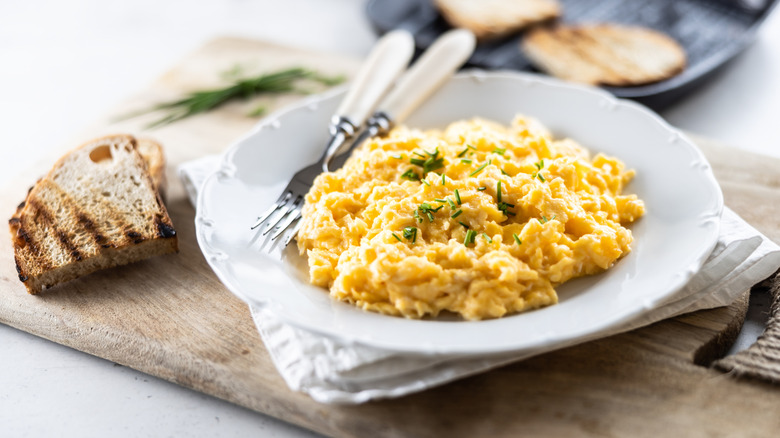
x=490 y=19
x=605 y=54
x=97 y=208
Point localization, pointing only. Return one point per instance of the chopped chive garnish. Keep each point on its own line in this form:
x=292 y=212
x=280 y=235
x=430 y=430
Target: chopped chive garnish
x=504 y=207
x=443 y=178
x=397 y=157
x=504 y=172
x=470 y=236
x=463 y=152
x=410 y=175
x=457 y=213
x=465 y=160
x=517 y=239
x=545 y=220
x=396 y=237
x=481 y=189
x=479 y=169
x=426 y=183
x=426 y=209
x=487 y=237
x=457 y=196
x=452 y=204
x=410 y=233
x=417 y=216
x=440 y=200
x=418 y=154
x=539 y=167
x=431 y=162
x=464 y=224
x=499 y=151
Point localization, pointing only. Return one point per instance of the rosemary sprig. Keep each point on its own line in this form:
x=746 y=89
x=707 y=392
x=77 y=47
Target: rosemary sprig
x=196 y=102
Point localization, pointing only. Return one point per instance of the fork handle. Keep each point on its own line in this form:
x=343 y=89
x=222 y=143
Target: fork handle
x=388 y=58
x=428 y=73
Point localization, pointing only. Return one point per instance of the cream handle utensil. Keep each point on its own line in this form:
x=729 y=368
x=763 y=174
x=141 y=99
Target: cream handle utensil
x=389 y=57
x=429 y=73
x=426 y=75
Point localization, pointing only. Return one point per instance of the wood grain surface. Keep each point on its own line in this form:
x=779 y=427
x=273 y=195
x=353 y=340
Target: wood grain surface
x=170 y=316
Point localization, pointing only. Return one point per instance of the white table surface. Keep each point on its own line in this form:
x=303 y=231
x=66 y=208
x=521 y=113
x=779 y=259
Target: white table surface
x=64 y=63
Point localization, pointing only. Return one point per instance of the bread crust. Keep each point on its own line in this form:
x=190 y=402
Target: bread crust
x=491 y=19
x=604 y=54
x=152 y=154
x=91 y=211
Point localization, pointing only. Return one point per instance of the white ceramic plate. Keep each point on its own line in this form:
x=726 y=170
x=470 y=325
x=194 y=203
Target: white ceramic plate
x=672 y=240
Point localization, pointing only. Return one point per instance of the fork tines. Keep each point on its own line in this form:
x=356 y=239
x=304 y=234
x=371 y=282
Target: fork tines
x=282 y=214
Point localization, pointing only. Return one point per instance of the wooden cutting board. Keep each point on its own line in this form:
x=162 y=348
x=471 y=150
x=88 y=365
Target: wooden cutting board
x=170 y=316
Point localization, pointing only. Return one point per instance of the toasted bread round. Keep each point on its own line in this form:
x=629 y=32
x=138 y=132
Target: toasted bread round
x=605 y=54
x=489 y=19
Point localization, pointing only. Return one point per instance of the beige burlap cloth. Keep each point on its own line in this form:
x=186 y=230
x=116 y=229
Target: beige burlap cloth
x=762 y=359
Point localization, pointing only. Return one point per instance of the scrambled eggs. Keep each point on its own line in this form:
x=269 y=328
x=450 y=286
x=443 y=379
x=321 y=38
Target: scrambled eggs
x=479 y=219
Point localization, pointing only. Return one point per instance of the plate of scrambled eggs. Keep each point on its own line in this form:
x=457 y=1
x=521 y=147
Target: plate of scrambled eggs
x=509 y=212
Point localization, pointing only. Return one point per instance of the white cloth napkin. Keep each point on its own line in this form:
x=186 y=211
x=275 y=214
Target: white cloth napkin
x=331 y=372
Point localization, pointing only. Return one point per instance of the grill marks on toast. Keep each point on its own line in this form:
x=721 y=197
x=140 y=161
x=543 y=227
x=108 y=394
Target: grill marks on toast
x=90 y=215
x=50 y=221
x=89 y=226
x=604 y=54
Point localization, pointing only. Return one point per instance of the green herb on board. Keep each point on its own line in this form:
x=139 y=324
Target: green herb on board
x=201 y=101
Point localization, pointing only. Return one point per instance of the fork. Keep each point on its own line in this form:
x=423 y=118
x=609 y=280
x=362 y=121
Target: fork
x=387 y=60
x=433 y=68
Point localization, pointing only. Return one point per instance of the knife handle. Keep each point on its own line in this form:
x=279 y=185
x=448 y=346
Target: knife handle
x=429 y=73
x=388 y=58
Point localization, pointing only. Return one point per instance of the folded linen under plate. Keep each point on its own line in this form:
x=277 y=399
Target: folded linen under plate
x=334 y=372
